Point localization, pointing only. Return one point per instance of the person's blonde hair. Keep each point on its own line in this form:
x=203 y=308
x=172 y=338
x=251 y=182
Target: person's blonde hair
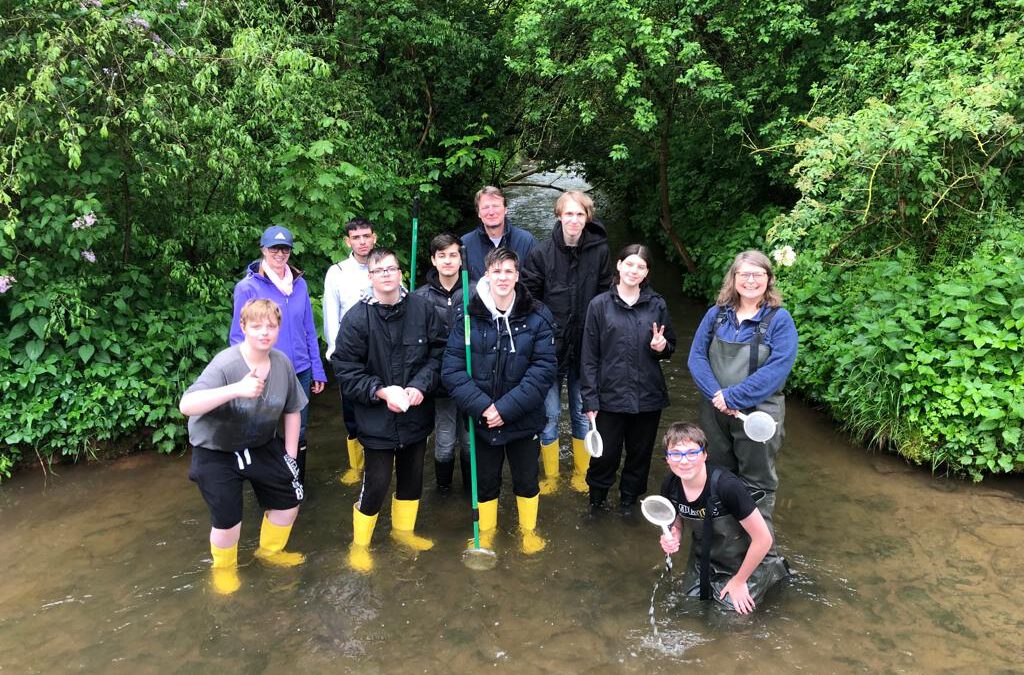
x=260 y=310
x=581 y=198
x=729 y=296
x=488 y=190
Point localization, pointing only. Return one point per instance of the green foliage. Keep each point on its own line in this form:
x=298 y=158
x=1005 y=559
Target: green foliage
x=879 y=141
x=927 y=360
x=146 y=145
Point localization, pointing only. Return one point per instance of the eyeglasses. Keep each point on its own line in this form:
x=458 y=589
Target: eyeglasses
x=751 y=276
x=680 y=455
x=280 y=251
x=385 y=270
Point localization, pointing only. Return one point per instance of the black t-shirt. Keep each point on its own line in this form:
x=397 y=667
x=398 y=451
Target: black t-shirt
x=733 y=497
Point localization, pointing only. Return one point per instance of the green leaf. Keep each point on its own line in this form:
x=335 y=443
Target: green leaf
x=996 y=298
x=17 y=331
x=85 y=352
x=34 y=349
x=38 y=325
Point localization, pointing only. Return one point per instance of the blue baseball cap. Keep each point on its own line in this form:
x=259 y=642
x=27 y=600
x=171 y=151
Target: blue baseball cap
x=276 y=236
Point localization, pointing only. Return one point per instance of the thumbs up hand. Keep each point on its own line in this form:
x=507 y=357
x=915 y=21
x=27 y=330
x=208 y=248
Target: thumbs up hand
x=250 y=386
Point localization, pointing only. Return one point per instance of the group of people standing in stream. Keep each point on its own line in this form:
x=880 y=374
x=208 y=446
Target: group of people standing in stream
x=538 y=314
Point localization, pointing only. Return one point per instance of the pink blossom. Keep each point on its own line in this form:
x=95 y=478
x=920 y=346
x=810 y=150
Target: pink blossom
x=84 y=222
x=89 y=256
x=6 y=281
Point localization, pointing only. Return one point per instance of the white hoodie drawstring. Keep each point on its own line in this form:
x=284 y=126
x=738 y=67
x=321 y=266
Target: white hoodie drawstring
x=483 y=289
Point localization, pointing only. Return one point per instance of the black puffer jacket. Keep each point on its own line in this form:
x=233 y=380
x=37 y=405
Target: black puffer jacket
x=566 y=279
x=447 y=303
x=516 y=382
x=383 y=345
x=619 y=371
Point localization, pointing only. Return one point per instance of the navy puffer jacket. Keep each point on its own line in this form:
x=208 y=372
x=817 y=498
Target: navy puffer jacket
x=516 y=382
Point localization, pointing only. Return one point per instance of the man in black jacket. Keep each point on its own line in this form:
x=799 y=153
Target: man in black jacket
x=444 y=291
x=565 y=272
x=387 y=359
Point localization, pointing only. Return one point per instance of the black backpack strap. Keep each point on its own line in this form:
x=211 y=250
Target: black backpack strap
x=705 y=540
x=759 y=333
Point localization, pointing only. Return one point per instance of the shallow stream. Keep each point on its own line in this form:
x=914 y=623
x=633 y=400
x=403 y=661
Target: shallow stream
x=106 y=570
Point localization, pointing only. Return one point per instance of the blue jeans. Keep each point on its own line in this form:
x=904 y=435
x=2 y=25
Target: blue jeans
x=305 y=379
x=553 y=408
x=448 y=429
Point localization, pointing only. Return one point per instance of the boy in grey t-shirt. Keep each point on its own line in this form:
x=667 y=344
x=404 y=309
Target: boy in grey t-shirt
x=236 y=409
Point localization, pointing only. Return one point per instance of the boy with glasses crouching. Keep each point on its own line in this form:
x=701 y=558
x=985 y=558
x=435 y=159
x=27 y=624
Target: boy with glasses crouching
x=730 y=537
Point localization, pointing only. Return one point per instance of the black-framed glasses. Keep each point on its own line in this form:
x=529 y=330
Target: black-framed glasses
x=680 y=455
x=280 y=250
x=385 y=270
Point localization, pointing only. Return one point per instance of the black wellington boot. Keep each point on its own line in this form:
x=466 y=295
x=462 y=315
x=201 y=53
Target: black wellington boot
x=444 y=472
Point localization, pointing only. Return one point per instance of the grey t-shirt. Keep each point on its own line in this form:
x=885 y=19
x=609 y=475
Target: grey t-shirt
x=244 y=422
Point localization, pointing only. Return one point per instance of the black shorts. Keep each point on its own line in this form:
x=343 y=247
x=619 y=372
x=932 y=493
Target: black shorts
x=274 y=477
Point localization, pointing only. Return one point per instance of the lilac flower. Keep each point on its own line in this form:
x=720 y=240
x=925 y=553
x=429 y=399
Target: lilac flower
x=6 y=281
x=89 y=256
x=90 y=3
x=155 y=38
x=84 y=222
x=138 y=22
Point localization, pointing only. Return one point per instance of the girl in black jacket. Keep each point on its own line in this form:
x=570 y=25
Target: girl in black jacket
x=626 y=334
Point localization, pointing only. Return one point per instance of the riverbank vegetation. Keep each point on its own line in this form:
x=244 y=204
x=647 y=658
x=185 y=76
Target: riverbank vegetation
x=873 y=147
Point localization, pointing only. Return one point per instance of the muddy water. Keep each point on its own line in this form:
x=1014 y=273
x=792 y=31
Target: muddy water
x=106 y=570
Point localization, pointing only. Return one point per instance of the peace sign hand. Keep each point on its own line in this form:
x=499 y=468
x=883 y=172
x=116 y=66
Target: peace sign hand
x=658 y=342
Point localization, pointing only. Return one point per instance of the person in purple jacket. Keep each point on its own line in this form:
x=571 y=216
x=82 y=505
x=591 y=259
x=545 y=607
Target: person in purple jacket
x=273 y=278
x=741 y=356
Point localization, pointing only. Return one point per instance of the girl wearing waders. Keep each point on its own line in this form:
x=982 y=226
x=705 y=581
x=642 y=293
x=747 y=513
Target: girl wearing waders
x=235 y=410
x=514 y=365
x=730 y=537
x=741 y=355
x=626 y=336
x=387 y=358
x=273 y=278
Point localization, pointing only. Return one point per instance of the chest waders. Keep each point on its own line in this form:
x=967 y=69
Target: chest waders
x=728 y=444
x=719 y=545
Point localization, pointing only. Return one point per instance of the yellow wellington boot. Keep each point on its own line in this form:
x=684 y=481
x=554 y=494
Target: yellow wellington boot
x=580 y=464
x=362 y=531
x=532 y=542
x=488 y=524
x=403 y=522
x=549 y=458
x=355 y=463
x=225 y=569
x=273 y=539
